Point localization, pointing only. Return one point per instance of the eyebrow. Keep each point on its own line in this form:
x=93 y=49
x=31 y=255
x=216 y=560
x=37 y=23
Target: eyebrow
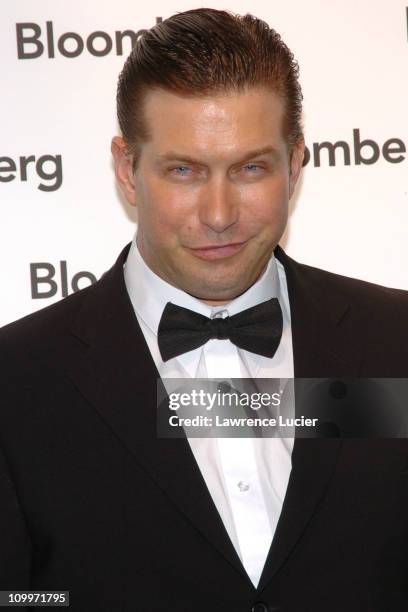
x=268 y=150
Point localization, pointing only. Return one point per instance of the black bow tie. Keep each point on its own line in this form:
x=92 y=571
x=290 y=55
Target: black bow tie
x=257 y=329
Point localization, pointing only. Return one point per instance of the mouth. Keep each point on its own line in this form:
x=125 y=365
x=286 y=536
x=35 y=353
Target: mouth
x=212 y=252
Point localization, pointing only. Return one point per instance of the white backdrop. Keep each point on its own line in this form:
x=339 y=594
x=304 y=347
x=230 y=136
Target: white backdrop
x=65 y=214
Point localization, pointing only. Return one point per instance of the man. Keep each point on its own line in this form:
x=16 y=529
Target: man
x=93 y=501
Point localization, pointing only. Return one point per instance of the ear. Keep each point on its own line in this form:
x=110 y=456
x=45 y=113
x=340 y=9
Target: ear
x=296 y=161
x=123 y=169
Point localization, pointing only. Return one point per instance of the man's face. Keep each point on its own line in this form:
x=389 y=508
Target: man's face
x=212 y=189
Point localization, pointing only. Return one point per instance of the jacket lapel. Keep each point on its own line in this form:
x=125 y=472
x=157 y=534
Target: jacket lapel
x=324 y=341
x=118 y=377
x=324 y=347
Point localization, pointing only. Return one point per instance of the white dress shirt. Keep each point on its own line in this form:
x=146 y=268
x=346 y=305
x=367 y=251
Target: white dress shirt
x=247 y=478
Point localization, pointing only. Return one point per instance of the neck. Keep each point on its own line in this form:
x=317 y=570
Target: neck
x=224 y=302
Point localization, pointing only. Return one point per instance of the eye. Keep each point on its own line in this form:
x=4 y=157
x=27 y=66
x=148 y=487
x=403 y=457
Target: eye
x=180 y=170
x=252 y=168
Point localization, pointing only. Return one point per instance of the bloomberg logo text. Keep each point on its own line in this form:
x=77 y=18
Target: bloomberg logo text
x=46 y=282
x=362 y=151
x=46 y=167
x=33 y=41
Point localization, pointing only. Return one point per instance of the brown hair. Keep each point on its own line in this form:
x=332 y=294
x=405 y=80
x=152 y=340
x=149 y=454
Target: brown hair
x=201 y=52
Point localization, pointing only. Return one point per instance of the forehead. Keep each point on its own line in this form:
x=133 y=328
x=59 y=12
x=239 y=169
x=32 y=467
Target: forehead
x=222 y=123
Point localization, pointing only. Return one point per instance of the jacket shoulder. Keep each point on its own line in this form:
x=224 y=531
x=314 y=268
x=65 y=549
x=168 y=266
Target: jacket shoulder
x=45 y=327
x=377 y=315
x=356 y=290
x=46 y=323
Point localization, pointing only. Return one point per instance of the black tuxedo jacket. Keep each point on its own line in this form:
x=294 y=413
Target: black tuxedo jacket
x=91 y=501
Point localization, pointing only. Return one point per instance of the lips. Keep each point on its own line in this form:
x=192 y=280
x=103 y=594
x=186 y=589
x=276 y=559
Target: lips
x=218 y=252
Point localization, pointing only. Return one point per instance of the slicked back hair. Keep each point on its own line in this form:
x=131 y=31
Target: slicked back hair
x=204 y=52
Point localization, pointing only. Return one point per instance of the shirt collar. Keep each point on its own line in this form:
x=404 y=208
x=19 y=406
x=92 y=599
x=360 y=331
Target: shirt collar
x=149 y=293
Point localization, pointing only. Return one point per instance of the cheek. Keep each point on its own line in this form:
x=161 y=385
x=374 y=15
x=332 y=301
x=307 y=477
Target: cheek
x=265 y=203
x=160 y=208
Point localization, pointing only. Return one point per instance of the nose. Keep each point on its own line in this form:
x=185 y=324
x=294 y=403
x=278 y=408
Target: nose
x=218 y=207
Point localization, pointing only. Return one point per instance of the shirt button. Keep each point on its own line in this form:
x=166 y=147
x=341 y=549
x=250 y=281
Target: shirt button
x=243 y=486
x=224 y=387
x=220 y=314
x=262 y=607
x=259 y=607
